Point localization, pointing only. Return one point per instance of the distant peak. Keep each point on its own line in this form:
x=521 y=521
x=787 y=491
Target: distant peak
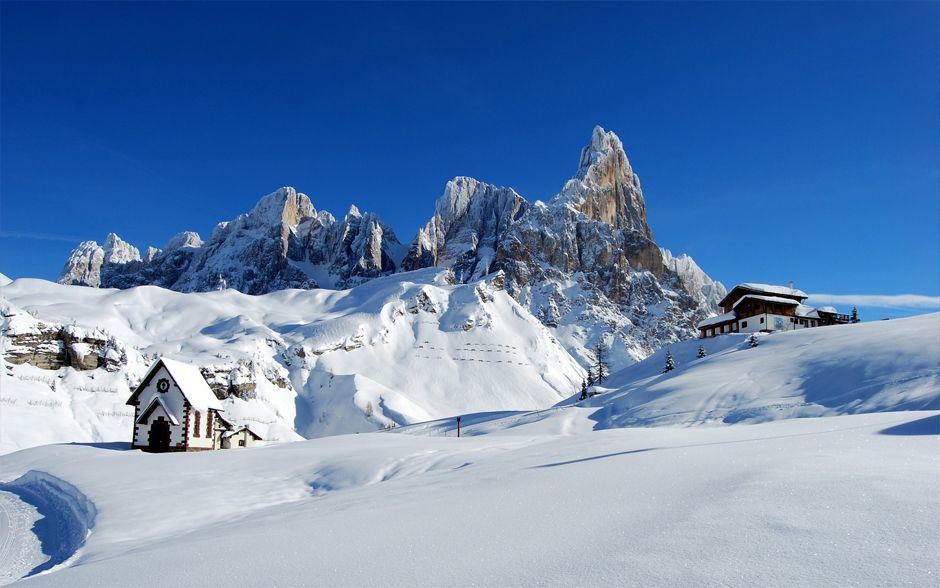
x=354 y=211
x=116 y=250
x=184 y=239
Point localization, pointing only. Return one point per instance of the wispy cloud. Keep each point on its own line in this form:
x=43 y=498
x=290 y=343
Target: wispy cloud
x=878 y=300
x=39 y=236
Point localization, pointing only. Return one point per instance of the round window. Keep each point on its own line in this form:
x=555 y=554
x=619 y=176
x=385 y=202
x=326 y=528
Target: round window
x=163 y=385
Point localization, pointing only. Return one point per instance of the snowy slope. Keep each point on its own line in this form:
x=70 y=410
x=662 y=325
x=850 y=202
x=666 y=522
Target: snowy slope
x=396 y=350
x=846 y=369
x=810 y=502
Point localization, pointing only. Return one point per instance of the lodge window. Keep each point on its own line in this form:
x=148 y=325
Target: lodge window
x=761 y=320
x=196 y=426
x=241 y=442
x=743 y=324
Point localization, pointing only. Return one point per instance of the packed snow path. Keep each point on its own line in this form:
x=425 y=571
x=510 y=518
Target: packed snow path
x=822 y=502
x=20 y=550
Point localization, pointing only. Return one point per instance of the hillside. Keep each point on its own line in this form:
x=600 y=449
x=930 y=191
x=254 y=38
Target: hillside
x=295 y=363
x=827 y=371
x=846 y=369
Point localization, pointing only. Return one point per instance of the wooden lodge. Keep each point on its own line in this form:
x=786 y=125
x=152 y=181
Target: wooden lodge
x=752 y=308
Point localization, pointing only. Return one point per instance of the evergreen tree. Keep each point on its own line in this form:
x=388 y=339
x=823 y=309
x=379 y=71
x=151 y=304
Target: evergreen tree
x=701 y=351
x=670 y=361
x=601 y=367
x=753 y=341
x=590 y=377
x=855 y=318
x=583 y=390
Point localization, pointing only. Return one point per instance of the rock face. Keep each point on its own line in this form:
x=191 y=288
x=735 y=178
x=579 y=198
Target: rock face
x=584 y=263
x=282 y=243
x=85 y=264
x=468 y=225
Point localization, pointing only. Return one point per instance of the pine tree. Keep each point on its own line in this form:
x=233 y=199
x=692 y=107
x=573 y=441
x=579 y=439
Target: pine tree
x=601 y=367
x=753 y=341
x=701 y=351
x=583 y=390
x=670 y=361
x=855 y=318
x=590 y=377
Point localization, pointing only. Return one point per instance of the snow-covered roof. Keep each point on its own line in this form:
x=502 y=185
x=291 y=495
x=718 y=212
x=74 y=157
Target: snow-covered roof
x=765 y=289
x=715 y=320
x=772 y=289
x=775 y=299
x=248 y=428
x=145 y=414
x=829 y=309
x=190 y=382
x=806 y=311
x=224 y=421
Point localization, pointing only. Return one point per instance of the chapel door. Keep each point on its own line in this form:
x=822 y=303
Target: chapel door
x=159 y=435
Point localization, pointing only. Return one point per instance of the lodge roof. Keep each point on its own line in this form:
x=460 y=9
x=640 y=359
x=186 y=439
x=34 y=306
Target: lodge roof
x=717 y=320
x=766 y=289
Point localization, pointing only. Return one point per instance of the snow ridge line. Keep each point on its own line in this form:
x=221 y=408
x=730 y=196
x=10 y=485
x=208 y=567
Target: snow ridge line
x=67 y=515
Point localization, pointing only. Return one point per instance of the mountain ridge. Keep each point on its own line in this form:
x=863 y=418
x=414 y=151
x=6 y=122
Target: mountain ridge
x=585 y=258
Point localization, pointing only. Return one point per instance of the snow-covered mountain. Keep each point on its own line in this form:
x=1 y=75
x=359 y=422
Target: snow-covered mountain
x=585 y=263
x=396 y=350
x=282 y=243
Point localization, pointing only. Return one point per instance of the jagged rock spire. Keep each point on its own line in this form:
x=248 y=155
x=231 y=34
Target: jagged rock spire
x=605 y=187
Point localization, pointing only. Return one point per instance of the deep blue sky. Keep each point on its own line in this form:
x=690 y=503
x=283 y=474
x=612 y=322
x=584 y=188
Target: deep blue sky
x=774 y=142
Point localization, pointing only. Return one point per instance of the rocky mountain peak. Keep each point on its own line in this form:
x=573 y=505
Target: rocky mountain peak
x=116 y=250
x=605 y=188
x=284 y=207
x=184 y=239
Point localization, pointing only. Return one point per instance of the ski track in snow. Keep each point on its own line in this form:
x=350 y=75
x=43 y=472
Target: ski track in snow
x=20 y=550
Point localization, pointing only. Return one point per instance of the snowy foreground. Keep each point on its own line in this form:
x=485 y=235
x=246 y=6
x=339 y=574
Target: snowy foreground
x=823 y=501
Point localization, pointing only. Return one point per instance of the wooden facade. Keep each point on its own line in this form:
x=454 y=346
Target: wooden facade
x=750 y=308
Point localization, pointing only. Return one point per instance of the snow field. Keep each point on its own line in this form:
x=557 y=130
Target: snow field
x=823 y=502
x=394 y=351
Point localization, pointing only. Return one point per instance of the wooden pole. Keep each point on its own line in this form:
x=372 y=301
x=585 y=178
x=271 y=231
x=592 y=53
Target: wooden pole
x=458 y=426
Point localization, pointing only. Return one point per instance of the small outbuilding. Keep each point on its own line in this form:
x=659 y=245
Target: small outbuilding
x=242 y=436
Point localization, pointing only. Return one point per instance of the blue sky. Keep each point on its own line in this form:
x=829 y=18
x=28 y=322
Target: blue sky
x=774 y=141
